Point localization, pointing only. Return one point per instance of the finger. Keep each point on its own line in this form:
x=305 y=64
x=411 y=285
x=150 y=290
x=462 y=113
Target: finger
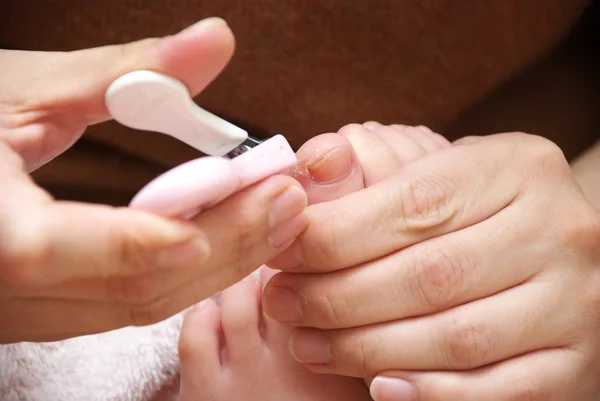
x=63 y=241
x=16 y=182
x=328 y=168
x=432 y=276
x=548 y=375
x=79 y=79
x=444 y=192
x=377 y=158
x=58 y=319
x=241 y=317
x=10 y=162
x=275 y=334
x=462 y=338
x=71 y=86
x=199 y=347
x=261 y=221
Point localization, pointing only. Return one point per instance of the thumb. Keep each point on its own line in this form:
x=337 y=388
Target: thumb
x=49 y=98
x=77 y=81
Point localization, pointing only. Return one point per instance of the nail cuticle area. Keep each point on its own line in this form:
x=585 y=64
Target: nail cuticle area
x=330 y=167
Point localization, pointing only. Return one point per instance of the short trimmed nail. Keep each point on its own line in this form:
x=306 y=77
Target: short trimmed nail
x=283 y=305
x=190 y=254
x=285 y=219
x=392 y=389
x=332 y=167
x=310 y=346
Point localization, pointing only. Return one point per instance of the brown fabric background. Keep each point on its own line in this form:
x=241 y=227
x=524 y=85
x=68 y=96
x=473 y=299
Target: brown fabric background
x=303 y=67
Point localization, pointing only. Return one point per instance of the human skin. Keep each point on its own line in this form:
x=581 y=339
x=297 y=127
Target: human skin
x=531 y=24
x=68 y=268
x=486 y=268
x=230 y=350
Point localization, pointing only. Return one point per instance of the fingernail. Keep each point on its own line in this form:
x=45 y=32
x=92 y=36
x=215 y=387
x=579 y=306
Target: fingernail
x=285 y=218
x=392 y=389
x=282 y=304
x=310 y=346
x=331 y=167
x=190 y=254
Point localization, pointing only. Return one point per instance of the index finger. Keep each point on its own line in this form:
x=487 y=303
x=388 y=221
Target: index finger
x=441 y=193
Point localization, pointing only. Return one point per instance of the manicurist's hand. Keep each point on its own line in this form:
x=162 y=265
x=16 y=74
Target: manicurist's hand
x=472 y=273
x=69 y=269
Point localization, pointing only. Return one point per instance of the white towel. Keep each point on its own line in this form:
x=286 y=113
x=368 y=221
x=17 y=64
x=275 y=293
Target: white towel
x=131 y=364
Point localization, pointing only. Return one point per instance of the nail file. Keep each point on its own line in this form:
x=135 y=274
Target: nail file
x=194 y=186
x=149 y=101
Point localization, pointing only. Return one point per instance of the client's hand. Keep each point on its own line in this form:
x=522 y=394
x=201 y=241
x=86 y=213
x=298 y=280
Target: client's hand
x=471 y=268
x=69 y=269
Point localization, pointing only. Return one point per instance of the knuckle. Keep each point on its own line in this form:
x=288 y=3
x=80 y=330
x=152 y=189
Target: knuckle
x=545 y=156
x=323 y=246
x=440 y=277
x=23 y=251
x=581 y=229
x=331 y=306
x=425 y=202
x=467 y=345
x=528 y=387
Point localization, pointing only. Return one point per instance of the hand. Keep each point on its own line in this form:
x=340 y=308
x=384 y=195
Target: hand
x=470 y=274
x=69 y=269
x=330 y=168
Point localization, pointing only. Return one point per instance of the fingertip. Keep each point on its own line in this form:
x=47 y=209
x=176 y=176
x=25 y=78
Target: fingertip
x=196 y=54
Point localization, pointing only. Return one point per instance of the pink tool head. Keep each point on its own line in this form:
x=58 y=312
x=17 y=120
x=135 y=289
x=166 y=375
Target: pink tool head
x=198 y=184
